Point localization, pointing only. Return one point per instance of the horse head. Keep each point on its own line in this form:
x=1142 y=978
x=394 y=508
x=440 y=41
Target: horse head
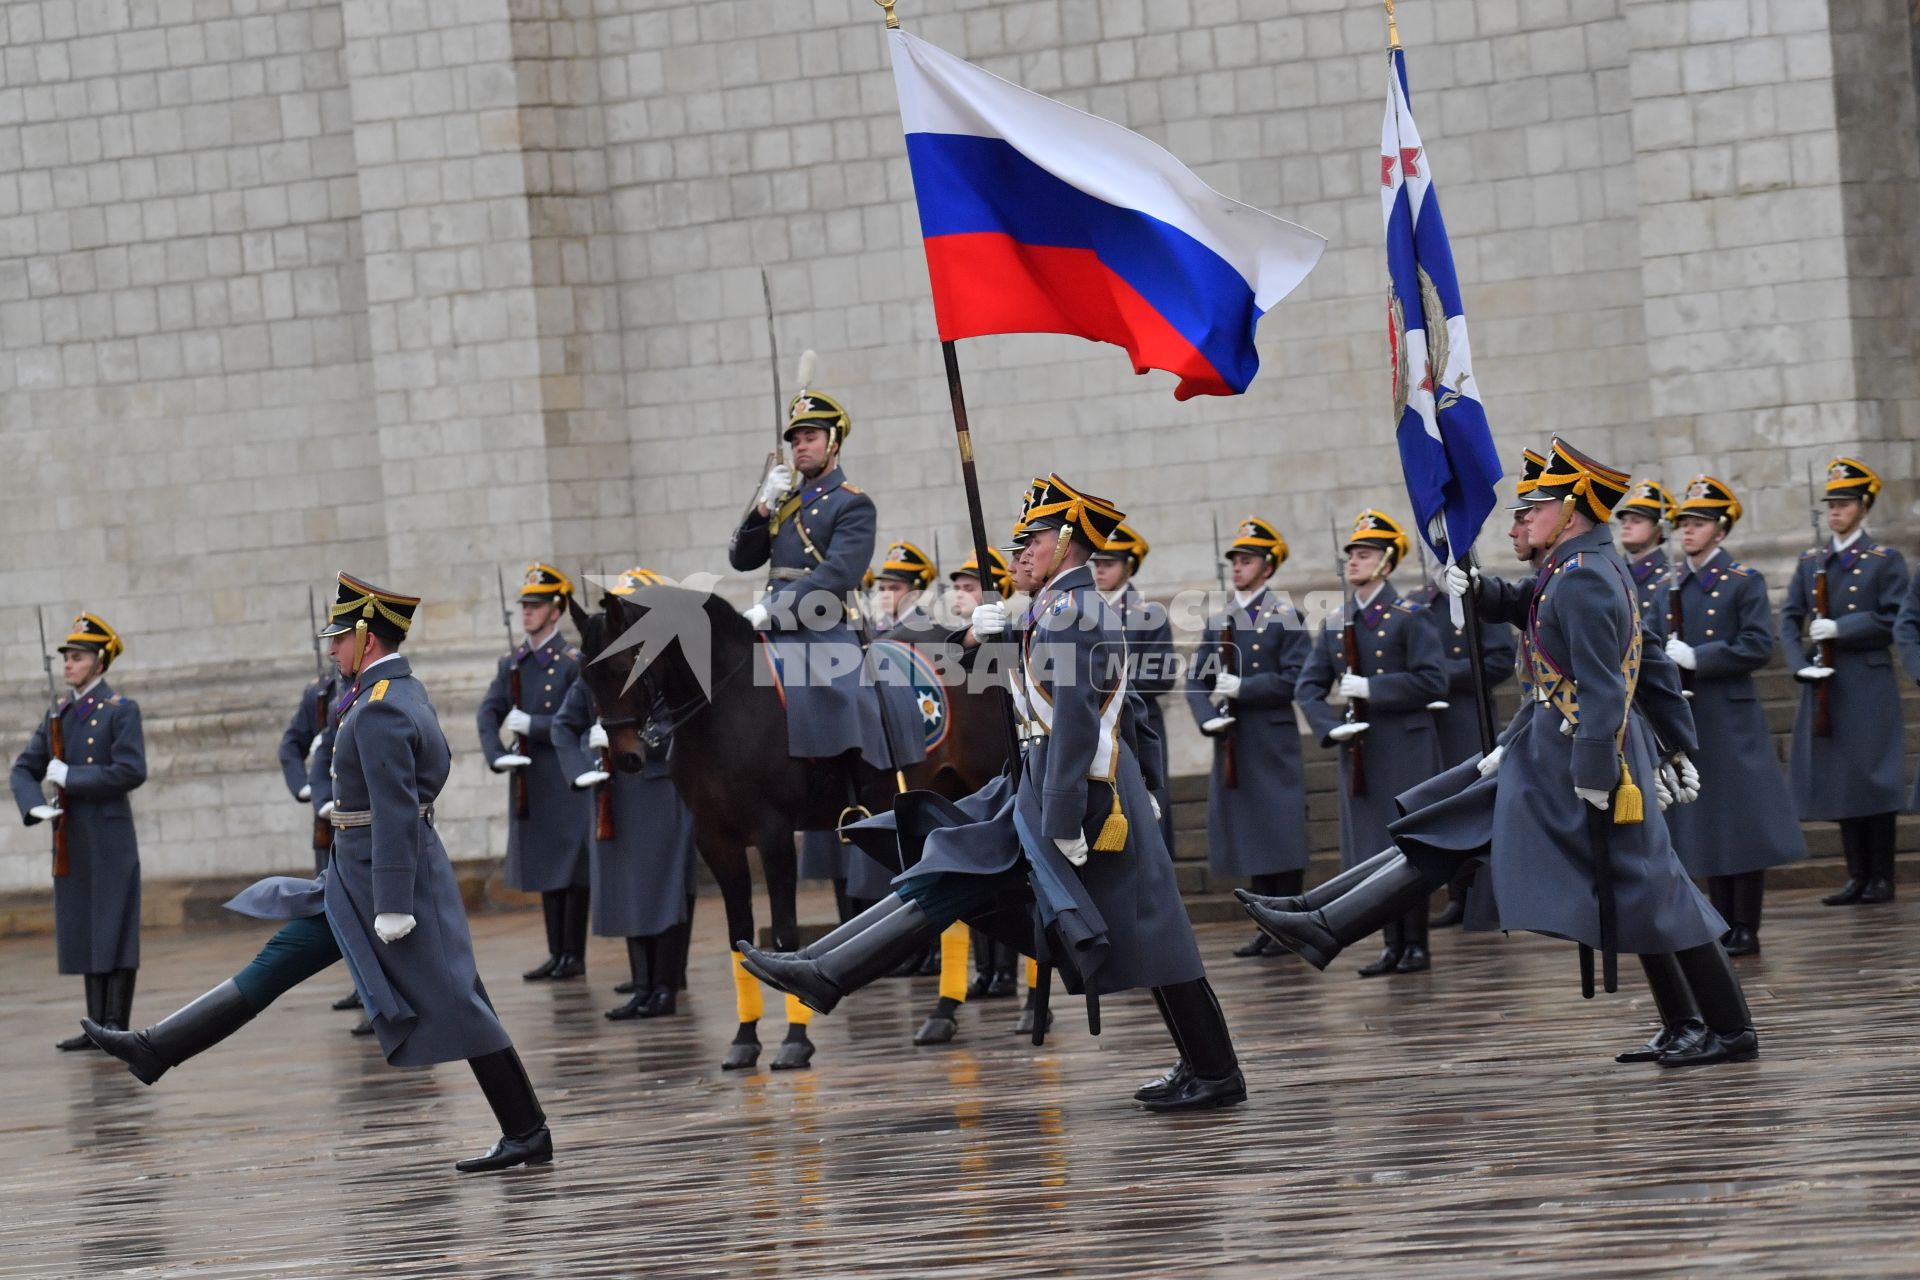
x=655 y=659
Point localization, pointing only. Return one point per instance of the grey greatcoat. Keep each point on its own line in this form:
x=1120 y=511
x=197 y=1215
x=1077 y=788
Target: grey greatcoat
x=1744 y=819
x=1650 y=574
x=1117 y=922
x=1400 y=657
x=643 y=876
x=1526 y=815
x=1153 y=667
x=1906 y=636
x=302 y=762
x=1459 y=722
x=816 y=558
x=1860 y=770
x=547 y=850
x=423 y=994
x=1259 y=826
x=96 y=905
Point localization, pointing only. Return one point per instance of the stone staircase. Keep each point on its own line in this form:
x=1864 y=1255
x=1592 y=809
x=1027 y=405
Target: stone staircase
x=1209 y=896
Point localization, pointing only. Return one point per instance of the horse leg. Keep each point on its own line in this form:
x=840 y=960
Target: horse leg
x=728 y=862
x=778 y=862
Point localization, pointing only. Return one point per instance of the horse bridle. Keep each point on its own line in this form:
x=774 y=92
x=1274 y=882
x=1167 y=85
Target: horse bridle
x=660 y=722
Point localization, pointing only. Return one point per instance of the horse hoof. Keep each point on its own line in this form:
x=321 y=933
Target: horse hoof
x=741 y=1057
x=937 y=1029
x=794 y=1055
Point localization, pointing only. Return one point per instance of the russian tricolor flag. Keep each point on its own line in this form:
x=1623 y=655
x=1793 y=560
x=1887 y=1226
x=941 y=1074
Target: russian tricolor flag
x=1040 y=218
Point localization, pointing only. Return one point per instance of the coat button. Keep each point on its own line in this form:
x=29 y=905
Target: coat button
x=1379 y=653
x=1856 y=573
x=1256 y=645
x=1709 y=630
x=89 y=741
x=1852 y=588
x=1709 y=613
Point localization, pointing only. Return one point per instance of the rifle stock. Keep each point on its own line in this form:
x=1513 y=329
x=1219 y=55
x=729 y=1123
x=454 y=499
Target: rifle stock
x=1229 y=658
x=1356 y=708
x=1823 y=655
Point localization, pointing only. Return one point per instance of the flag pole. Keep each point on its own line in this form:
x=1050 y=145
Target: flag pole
x=1393 y=27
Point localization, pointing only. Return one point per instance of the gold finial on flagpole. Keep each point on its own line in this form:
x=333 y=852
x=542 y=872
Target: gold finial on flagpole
x=1393 y=27
x=893 y=23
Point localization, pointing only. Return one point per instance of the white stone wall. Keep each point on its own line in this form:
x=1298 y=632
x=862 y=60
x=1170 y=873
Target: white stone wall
x=427 y=287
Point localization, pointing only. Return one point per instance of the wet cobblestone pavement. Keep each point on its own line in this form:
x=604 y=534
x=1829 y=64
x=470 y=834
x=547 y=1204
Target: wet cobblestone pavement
x=1446 y=1125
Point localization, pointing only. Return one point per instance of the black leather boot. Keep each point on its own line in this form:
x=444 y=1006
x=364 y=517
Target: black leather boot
x=982 y=947
x=1852 y=838
x=119 y=999
x=870 y=914
x=1003 y=984
x=1414 y=955
x=524 y=1136
x=1747 y=891
x=1879 y=847
x=820 y=982
x=1320 y=935
x=1207 y=1048
x=1180 y=1072
x=1716 y=989
x=1259 y=945
x=178 y=1036
x=1455 y=911
x=640 y=963
x=351 y=1000
x=670 y=969
x=576 y=910
x=1681 y=1028
x=554 y=907
x=1393 y=946
x=96 y=985
x=1327 y=890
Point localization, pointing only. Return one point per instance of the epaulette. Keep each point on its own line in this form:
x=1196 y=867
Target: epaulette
x=1406 y=608
x=1571 y=562
x=117 y=699
x=1738 y=570
x=1877 y=550
x=1810 y=553
x=571 y=652
x=851 y=488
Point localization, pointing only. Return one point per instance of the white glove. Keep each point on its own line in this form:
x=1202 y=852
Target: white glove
x=1594 y=796
x=774 y=487
x=1353 y=688
x=1226 y=685
x=1219 y=724
x=1666 y=785
x=517 y=722
x=1822 y=629
x=325 y=810
x=391 y=926
x=1441 y=705
x=1813 y=673
x=1341 y=732
x=306 y=794
x=591 y=778
x=1490 y=763
x=57 y=772
x=1682 y=653
x=314 y=746
x=510 y=761
x=989 y=620
x=1566 y=727
x=1074 y=850
x=1154 y=802
x=597 y=737
x=44 y=812
x=757 y=616
x=1456 y=580
x=1689 y=778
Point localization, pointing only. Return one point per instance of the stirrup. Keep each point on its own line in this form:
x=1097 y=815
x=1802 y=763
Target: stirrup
x=860 y=812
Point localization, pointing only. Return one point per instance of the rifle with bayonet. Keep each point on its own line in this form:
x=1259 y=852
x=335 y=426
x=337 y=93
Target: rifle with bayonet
x=1229 y=659
x=522 y=802
x=57 y=750
x=322 y=715
x=1356 y=711
x=1823 y=650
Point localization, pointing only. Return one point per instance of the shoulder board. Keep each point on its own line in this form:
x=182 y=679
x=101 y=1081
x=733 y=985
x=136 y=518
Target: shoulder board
x=1877 y=550
x=1739 y=570
x=1810 y=553
x=1573 y=561
x=379 y=692
x=852 y=488
x=1404 y=607
x=117 y=699
x=572 y=652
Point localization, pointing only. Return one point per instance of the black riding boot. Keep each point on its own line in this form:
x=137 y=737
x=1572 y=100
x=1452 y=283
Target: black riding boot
x=871 y=914
x=1878 y=844
x=1853 y=843
x=819 y=982
x=642 y=964
x=1723 y=1005
x=119 y=999
x=1332 y=887
x=669 y=970
x=1745 y=892
x=1681 y=1027
x=576 y=909
x=178 y=1036
x=1205 y=1046
x=1414 y=955
x=1266 y=886
x=524 y=1137
x=1319 y=935
x=1181 y=1071
x=1720 y=894
x=96 y=984
x=982 y=945
x=1393 y=944
x=1005 y=957
x=554 y=906
x=1455 y=911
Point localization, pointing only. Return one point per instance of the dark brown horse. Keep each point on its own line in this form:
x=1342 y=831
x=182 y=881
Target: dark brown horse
x=730 y=763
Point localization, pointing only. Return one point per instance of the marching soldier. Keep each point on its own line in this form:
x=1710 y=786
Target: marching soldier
x=306 y=756
x=1643 y=519
x=1149 y=649
x=1392 y=744
x=1849 y=751
x=643 y=850
x=547 y=820
x=388 y=901
x=1256 y=793
x=1744 y=821
x=1072 y=853
x=1561 y=797
x=96 y=860
x=993 y=958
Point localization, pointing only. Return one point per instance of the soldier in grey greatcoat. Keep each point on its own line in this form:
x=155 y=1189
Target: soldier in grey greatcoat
x=96 y=890
x=1155 y=665
x=1385 y=732
x=548 y=833
x=300 y=745
x=388 y=902
x=1564 y=789
x=1745 y=821
x=643 y=861
x=1643 y=519
x=1240 y=691
x=1073 y=852
x=1849 y=737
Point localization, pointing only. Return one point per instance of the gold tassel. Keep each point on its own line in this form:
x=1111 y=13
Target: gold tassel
x=1113 y=832
x=1629 y=806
